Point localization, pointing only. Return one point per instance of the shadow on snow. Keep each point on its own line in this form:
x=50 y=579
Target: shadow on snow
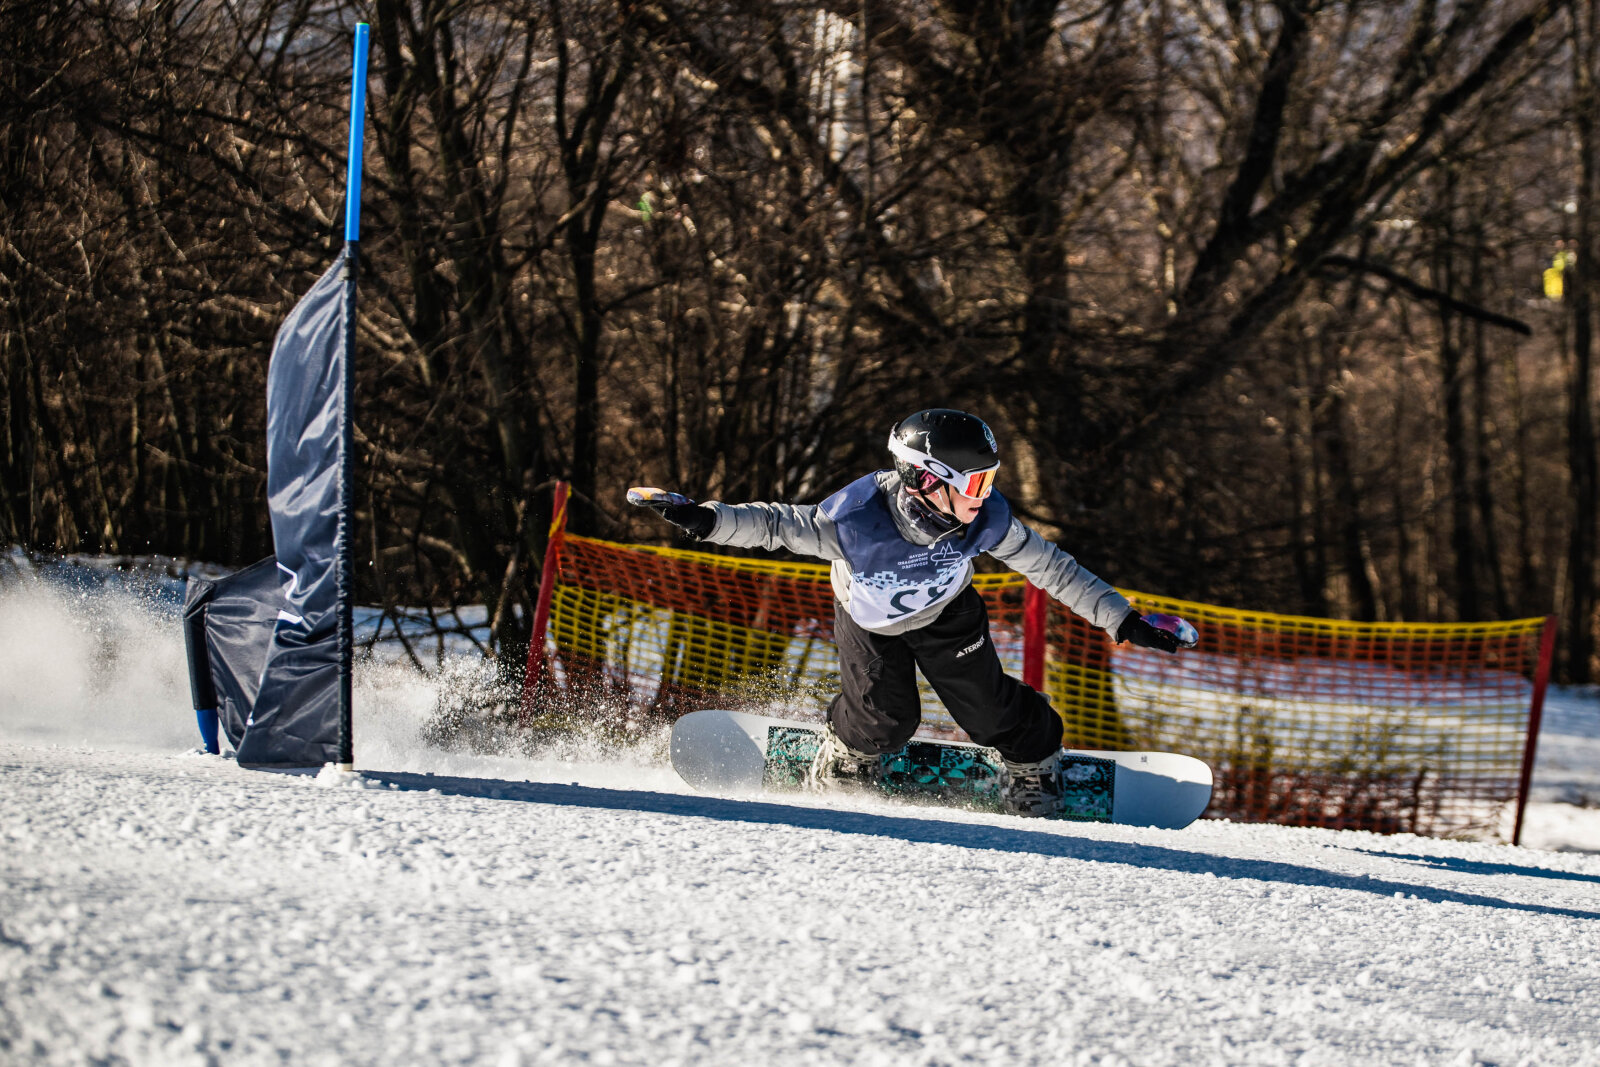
x=1465 y=866
x=1055 y=843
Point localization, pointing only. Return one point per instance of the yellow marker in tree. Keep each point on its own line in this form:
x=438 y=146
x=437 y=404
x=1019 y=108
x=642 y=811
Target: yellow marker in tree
x=1554 y=275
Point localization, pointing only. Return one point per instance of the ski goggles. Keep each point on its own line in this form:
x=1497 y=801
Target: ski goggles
x=976 y=484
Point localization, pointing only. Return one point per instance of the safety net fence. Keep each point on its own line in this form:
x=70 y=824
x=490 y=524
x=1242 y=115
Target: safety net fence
x=1389 y=727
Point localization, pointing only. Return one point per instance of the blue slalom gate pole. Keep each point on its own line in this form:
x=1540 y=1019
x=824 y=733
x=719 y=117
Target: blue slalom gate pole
x=352 y=257
x=358 y=123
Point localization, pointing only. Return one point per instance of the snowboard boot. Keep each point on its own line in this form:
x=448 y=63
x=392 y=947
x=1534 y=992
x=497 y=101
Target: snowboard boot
x=1032 y=789
x=837 y=766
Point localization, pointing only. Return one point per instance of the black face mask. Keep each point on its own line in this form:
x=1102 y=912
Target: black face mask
x=924 y=517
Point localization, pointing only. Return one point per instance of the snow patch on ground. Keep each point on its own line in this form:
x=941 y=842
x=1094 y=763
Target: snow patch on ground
x=1564 y=806
x=178 y=909
x=163 y=907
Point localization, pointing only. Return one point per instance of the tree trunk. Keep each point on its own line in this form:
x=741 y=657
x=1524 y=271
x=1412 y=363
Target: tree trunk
x=1580 y=414
x=1483 y=433
x=1463 y=544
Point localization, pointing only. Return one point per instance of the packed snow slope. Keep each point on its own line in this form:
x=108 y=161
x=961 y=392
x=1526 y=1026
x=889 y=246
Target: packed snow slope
x=163 y=907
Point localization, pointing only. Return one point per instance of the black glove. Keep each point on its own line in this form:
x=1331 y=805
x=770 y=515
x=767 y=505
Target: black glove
x=1141 y=633
x=696 y=520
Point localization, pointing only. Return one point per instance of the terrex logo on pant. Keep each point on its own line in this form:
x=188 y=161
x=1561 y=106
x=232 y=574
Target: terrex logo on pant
x=972 y=647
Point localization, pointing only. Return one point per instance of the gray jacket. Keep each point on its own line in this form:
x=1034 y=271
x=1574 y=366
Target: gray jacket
x=804 y=530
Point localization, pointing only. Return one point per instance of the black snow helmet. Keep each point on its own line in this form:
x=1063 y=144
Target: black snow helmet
x=941 y=445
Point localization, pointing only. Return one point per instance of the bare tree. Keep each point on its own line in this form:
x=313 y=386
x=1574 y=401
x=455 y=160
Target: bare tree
x=1581 y=442
x=1250 y=288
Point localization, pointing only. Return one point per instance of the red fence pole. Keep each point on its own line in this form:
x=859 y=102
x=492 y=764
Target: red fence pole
x=541 y=610
x=1035 y=610
x=1541 y=680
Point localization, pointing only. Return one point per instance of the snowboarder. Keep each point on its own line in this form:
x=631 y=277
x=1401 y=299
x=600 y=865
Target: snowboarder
x=901 y=543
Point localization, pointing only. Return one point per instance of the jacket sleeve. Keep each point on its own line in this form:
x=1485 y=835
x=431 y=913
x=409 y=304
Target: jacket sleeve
x=1049 y=568
x=801 y=528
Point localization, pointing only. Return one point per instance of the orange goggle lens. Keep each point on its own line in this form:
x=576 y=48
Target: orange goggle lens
x=978 y=483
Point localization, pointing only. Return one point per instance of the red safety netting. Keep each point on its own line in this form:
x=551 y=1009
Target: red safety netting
x=1389 y=727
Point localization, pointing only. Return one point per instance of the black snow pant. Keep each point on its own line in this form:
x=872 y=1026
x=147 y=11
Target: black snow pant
x=878 y=707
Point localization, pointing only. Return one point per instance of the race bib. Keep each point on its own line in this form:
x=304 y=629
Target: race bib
x=891 y=577
x=920 y=581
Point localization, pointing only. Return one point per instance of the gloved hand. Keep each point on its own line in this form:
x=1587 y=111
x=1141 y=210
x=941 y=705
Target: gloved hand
x=1134 y=628
x=696 y=520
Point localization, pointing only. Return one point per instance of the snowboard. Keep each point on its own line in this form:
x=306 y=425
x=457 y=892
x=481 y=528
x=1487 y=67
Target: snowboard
x=738 y=752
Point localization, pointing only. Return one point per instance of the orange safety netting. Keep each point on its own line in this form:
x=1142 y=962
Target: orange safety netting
x=1379 y=726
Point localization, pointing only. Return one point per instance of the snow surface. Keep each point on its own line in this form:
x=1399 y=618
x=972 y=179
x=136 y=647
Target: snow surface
x=159 y=906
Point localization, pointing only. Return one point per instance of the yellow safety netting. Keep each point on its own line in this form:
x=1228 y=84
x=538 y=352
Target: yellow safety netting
x=1381 y=726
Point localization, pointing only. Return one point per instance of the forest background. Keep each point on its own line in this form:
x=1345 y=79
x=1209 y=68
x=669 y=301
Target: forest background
x=1287 y=306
